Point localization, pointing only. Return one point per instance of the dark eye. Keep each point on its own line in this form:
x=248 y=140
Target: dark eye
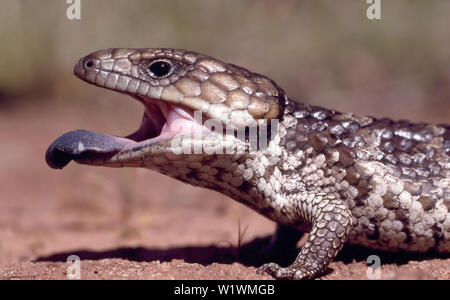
x=160 y=68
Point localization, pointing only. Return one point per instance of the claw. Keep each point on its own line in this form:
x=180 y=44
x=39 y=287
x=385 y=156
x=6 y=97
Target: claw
x=289 y=273
x=270 y=268
x=278 y=272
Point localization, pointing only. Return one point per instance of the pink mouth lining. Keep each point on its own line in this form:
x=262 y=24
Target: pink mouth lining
x=163 y=121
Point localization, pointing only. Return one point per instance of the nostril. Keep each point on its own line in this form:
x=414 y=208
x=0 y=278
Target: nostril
x=89 y=64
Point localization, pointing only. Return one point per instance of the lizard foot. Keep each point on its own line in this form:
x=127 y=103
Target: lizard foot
x=288 y=273
x=330 y=228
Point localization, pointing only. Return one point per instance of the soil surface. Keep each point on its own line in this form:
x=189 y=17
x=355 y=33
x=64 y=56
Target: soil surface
x=135 y=223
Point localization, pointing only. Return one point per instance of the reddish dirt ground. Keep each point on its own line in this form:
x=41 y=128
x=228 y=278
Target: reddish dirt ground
x=133 y=223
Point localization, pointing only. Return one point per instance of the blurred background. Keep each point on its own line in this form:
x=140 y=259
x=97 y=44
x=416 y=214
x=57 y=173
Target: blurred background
x=325 y=53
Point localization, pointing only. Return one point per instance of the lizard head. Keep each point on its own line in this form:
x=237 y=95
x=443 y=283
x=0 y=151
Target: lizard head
x=186 y=95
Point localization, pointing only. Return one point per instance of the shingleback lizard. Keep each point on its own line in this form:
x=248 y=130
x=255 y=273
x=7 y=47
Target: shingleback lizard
x=343 y=178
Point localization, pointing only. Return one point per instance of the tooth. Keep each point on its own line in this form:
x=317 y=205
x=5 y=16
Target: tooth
x=183 y=113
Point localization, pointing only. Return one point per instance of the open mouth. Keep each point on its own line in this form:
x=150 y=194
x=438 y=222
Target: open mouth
x=171 y=87
x=162 y=121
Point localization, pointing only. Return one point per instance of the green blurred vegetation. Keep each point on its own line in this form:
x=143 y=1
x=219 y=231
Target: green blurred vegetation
x=325 y=52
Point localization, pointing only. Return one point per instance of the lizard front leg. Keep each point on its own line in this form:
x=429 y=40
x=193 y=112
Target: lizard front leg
x=331 y=223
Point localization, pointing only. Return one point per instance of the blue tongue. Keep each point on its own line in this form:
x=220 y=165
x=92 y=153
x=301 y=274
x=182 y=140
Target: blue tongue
x=80 y=143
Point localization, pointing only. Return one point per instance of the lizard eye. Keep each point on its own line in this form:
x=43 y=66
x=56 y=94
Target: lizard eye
x=89 y=64
x=160 y=68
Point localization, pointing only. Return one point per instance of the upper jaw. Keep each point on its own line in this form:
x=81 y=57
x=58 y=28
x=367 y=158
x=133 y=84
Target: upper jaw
x=233 y=95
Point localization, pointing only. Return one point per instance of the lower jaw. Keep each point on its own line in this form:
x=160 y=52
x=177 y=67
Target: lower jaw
x=162 y=122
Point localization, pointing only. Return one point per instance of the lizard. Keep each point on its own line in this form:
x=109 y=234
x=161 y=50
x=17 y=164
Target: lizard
x=340 y=177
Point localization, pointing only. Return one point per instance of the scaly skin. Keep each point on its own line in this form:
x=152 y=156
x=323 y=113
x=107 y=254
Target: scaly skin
x=342 y=178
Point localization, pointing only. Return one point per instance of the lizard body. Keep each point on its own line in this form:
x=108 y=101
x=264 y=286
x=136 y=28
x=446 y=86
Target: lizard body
x=343 y=178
